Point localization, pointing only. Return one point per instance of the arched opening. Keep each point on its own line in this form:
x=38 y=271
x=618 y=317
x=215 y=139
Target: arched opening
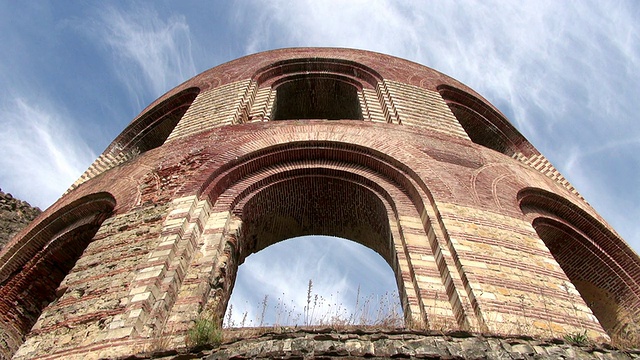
x=582 y=266
x=315 y=202
x=316 y=97
x=314 y=280
x=334 y=189
x=154 y=127
x=36 y=266
x=602 y=268
x=317 y=88
x=484 y=125
x=480 y=131
x=316 y=205
x=351 y=71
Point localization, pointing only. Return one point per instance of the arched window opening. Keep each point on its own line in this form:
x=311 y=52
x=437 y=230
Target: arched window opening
x=153 y=128
x=30 y=281
x=314 y=280
x=604 y=270
x=584 y=267
x=316 y=97
x=484 y=125
x=480 y=131
x=356 y=72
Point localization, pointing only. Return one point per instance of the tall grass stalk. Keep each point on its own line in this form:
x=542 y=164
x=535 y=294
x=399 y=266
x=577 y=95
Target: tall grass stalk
x=373 y=310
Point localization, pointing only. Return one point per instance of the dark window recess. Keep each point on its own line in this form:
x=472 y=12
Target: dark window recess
x=161 y=121
x=481 y=131
x=316 y=98
x=153 y=128
x=484 y=125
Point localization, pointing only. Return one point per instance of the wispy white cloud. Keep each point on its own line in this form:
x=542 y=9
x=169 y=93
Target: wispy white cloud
x=41 y=156
x=42 y=153
x=151 y=54
x=373 y=25
x=610 y=179
x=567 y=73
x=336 y=267
x=496 y=47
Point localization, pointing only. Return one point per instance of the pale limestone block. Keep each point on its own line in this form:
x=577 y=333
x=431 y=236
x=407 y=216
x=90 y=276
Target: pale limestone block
x=142 y=297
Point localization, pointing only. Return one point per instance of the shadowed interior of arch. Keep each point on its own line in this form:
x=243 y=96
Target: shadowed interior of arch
x=315 y=204
x=52 y=249
x=484 y=125
x=583 y=266
x=315 y=97
x=314 y=280
x=154 y=127
x=592 y=259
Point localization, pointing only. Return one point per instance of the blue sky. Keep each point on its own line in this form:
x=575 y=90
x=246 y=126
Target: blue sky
x=566 y=73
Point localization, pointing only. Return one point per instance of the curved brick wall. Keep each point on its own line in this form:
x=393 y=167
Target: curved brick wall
x=472 y=219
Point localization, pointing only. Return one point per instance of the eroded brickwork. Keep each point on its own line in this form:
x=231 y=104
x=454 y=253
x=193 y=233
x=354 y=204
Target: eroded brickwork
x=463 y=219
x=94 y=296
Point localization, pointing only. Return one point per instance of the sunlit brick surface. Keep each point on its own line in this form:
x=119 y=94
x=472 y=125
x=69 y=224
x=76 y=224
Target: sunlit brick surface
x=482 y=233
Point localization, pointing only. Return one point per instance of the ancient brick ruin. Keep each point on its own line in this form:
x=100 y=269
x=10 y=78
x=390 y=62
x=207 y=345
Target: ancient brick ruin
x=482 y=232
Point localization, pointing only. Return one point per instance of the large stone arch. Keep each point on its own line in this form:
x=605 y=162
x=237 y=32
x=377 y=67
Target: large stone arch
x=32 y=270
x=270 y=194
x=604 y=270
x=324 y=201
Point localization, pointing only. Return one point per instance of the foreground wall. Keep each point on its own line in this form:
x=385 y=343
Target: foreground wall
x=377 y=344
x=482 y=232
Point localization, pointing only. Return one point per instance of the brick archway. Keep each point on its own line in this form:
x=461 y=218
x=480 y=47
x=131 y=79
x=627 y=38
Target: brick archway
x=484 y=125
x=605 y=273
x=320 y=202
x=330 y=193
x=32 y=270
x=324 y=188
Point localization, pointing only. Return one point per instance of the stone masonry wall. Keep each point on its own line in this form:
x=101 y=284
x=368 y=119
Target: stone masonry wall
x=385 y=344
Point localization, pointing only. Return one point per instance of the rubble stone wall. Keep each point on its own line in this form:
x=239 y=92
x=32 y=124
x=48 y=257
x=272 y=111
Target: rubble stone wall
x=377 y=344
x=15 y=214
